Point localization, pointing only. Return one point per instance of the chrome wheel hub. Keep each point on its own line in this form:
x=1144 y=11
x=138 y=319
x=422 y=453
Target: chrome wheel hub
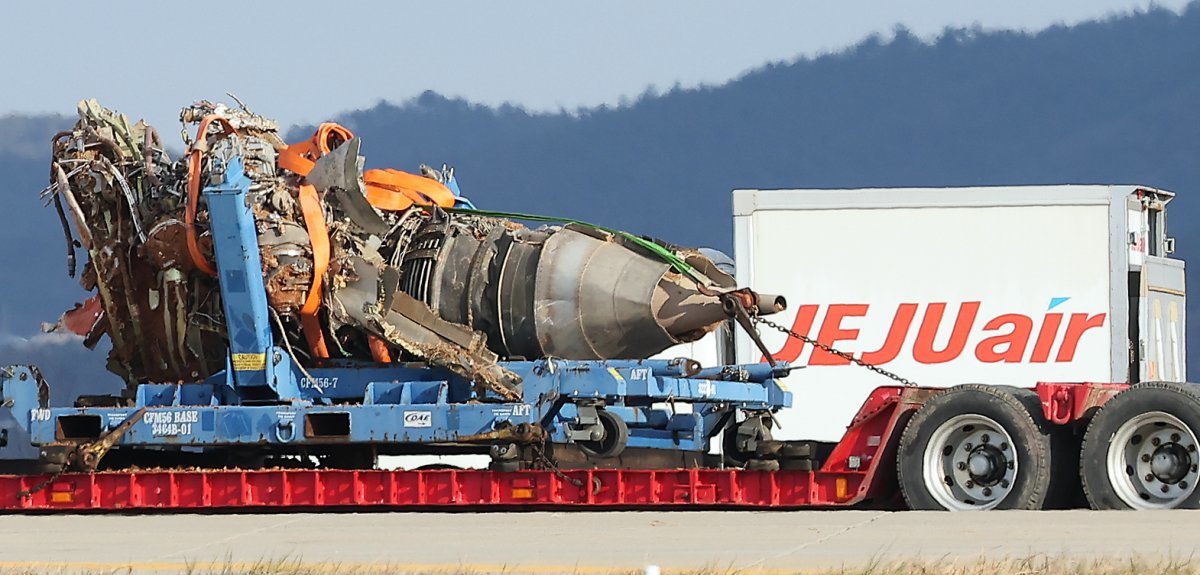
x=1152 y=461
x=970 y=463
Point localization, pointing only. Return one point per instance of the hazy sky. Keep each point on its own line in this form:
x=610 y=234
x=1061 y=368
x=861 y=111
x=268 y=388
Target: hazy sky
x=303 y=60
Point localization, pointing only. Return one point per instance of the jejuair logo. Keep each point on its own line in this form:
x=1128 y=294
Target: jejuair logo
x=1006 y=338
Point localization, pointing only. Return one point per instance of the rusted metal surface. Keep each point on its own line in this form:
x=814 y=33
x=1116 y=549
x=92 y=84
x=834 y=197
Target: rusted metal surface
x=87 y=456
x=346 y=277
x=149 y=305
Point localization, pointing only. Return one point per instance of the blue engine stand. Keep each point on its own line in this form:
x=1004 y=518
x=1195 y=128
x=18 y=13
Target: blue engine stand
x=263 y=398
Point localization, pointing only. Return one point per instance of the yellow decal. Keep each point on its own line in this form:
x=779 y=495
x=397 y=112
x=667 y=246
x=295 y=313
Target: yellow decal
x=616 y=374
x=249 y=361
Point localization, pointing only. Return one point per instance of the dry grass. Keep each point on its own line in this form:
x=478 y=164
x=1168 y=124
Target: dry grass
x=1036 y=565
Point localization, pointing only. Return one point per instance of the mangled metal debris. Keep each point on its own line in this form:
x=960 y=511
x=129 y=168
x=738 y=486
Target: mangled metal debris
x=374 y=265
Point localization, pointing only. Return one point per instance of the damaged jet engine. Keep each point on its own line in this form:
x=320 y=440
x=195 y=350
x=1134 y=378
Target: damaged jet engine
x=376 y=265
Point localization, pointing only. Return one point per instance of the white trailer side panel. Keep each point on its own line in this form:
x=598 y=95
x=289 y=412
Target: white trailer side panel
x=942 y=287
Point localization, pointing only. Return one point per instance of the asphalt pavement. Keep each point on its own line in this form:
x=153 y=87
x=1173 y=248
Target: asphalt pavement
x=587 y=542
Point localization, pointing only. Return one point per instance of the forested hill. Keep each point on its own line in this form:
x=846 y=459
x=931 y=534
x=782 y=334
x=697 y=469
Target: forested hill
x=1114 y=101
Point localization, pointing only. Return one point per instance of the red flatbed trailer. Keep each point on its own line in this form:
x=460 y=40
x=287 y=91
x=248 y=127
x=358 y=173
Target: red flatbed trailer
x=860 y=471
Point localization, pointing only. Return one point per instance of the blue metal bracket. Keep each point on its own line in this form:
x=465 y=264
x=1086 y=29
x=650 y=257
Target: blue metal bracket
x=253 y=359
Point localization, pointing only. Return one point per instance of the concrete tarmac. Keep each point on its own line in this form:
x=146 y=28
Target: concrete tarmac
x=589 y=542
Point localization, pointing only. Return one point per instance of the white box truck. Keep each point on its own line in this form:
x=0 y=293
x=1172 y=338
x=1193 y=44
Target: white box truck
x=996 y=285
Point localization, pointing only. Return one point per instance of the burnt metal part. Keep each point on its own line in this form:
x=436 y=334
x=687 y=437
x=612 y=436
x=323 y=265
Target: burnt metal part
x=457 y=290
x=412 y=326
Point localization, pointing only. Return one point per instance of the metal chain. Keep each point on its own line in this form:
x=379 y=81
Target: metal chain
x=36 y=488
x=844 y=355
x=539 y=452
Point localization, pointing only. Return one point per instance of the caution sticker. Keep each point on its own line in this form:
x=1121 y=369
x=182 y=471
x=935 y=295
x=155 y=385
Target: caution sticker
x=249 y=361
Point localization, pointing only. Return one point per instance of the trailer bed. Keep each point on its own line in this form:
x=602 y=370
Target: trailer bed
x=299 y=490
x=860 y=471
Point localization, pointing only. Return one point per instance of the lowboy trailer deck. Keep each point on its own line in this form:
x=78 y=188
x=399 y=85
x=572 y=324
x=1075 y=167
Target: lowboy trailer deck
x=861 y=470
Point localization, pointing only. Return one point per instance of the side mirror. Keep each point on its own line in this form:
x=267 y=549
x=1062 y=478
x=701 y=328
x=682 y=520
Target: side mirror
x=1168 y=246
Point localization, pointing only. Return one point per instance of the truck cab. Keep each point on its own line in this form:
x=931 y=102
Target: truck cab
x=1157 y=296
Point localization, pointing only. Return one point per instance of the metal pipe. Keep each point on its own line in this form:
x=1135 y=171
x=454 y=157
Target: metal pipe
x=66 y=227
x=64 y=188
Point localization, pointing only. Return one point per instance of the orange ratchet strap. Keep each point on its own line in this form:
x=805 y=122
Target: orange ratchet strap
x=391 y=190
x=302 y=156
x=379 y=349
x=195 y=159
x=386 y=189
x=318 y=234
x=395 y=190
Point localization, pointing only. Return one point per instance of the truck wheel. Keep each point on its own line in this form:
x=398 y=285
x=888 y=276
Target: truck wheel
x=1140 y=450
x=974 y=447
x=616 y=435
x=1063 y=492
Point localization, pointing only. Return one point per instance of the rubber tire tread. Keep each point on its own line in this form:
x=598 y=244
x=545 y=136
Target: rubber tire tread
x=763 y=465
x=796 y=451
x=1064 y=491
x=1176 y=399
x=1031 y=487
x=611 y=423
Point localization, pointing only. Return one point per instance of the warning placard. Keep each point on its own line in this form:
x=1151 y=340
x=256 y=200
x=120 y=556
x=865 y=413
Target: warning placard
x=249 y=361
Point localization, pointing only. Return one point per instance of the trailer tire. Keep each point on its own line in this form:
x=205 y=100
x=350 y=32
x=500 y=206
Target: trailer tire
x=796 y=451
x=1122 y=468
x=974 y=447
x=762 y=465
x=1064 y=491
